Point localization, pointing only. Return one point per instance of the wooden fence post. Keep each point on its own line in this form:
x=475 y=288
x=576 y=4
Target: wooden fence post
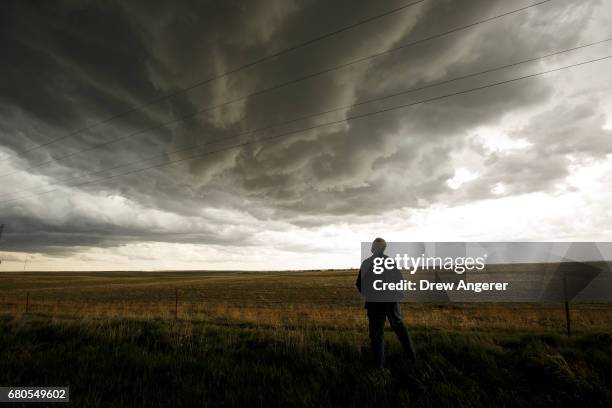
x=175 y=303
x=1 y=229
x=567 y=318
x=567 y=308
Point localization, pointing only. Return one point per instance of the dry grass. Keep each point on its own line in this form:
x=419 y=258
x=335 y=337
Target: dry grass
x=278 y=299
x=287 y=339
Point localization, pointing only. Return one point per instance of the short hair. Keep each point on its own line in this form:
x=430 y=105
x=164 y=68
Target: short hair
x=379 y=245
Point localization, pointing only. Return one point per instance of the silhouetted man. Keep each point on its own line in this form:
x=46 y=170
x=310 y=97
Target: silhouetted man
x=380 y=308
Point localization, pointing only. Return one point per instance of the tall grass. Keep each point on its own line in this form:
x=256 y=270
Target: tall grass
x=159 y=363
x=288 y=340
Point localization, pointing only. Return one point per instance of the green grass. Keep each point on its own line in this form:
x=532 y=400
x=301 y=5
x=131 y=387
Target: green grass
x=278 y=339
x=159 y=363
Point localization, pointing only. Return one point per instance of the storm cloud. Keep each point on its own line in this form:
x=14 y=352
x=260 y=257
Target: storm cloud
x=69 y=65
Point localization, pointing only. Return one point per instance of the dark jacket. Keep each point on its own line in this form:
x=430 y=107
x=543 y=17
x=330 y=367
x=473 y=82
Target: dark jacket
x=366 y=278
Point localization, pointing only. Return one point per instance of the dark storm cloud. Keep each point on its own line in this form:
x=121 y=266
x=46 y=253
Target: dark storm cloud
x=70 y=64
x=83 y=233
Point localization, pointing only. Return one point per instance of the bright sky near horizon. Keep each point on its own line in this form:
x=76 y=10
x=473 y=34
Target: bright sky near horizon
x=528 y=160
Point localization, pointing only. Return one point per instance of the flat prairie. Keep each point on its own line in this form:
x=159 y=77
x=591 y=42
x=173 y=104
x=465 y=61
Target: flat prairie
x=287 y=339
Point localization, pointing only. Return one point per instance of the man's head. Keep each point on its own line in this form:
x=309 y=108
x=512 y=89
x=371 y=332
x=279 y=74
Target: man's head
x=378 y=246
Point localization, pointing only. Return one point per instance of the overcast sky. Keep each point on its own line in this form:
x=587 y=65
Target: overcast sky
x=528 y=160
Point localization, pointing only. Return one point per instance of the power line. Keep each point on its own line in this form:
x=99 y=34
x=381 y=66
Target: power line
x=403 y=106
x=287 y=83
x=220 y=76
x=309 y=116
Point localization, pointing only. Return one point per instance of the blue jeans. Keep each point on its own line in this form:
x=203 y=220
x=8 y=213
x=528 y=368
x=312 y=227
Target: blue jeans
x=377 y=314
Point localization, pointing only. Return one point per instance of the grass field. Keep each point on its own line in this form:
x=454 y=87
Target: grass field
x=287 y=339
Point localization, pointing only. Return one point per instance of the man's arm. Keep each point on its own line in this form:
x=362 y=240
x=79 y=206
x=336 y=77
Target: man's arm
x=358 y=282
x=396 y=277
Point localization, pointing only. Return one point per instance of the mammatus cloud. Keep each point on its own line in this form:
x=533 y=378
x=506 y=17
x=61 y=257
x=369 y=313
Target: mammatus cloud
x=404 y=172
